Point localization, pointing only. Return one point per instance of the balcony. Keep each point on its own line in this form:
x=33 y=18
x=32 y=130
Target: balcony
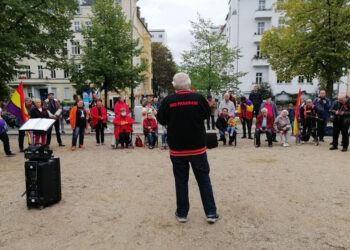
x=257 y=38
x=259 y=62
x=263 y=14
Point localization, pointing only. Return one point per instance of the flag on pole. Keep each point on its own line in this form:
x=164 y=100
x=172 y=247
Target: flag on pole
x=296 y=118
x=16 y=106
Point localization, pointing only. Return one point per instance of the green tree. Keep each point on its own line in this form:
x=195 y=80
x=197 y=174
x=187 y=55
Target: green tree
x=108 y=51
x=163 y=69
x=265 y=90
x=314 y=42
x=33 y=28
x=210 y=62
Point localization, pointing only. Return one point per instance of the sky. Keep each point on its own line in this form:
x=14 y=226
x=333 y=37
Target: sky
x=175 y=15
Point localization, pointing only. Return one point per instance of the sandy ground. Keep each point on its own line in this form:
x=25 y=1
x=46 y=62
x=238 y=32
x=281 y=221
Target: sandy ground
x=279 y=198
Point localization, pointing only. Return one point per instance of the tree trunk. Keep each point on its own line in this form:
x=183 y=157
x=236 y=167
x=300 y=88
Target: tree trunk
x=329 y=89
x=106 y=94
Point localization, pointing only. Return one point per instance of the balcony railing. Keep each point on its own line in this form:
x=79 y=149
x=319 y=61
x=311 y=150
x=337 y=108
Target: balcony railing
x=263 y=14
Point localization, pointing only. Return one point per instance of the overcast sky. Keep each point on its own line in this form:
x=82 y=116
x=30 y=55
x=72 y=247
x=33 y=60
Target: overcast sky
x=175 y=15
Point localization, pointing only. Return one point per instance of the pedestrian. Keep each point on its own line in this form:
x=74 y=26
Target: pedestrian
x=228 y=104
x=264 y=125
x=148 y=108
x=28 y=105
x=340 y=111
x=54 y=110
x=245 y=112
x=184 y=113
x=283 y=127
x=93 y=102
x=323 y=105
x=212 y=105
x=156 y=103
x=99 y=121
x=308 y=117
x=272 y=111
x=78 y=118
x=4 y=137
x=256 y=98
x=150 y=129
x=121 y=104
x=39 y=112
x=232 y=98
x=291 y=114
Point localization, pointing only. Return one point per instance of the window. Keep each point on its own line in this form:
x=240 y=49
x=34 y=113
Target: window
x=261 y=28
x=279 y=81
x=30 y=92
x=258 y=78
x=280 y=22
x=160 y=36
x=258 y=53
x=54 y=91
x=88 y=23
x=75 y=48
x=67 y=93
x=309 y=80
x=28 y=73
x=40 y=72
x=76 y=26
x=262 y=4
x=53 y=73
x=65 y=74
x=301 y=79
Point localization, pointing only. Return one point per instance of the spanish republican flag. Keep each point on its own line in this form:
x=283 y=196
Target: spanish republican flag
x=297 y=106
x=16 y=106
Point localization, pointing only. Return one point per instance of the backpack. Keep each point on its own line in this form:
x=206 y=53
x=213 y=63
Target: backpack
x=138 y=142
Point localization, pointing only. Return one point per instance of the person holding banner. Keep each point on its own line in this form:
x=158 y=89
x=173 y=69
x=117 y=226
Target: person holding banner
x=39 y=112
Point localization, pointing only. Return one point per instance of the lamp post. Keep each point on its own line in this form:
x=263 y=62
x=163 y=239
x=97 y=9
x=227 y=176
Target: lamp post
x=132 y=96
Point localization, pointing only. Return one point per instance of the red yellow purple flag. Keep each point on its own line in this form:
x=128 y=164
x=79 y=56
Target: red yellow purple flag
x=296 y=118
x=16 y=106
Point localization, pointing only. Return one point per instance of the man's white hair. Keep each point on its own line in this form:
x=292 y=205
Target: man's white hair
x=342 y=95
x=36 y=100
x=263 y=110
x=285 y=111
x=181 y=81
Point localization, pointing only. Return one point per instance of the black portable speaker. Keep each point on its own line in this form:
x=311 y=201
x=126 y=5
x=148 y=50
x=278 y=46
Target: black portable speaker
x=212 y=140
x=43 y=182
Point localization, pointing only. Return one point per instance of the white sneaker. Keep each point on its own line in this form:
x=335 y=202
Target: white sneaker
x=287 y=145
x=98 y=144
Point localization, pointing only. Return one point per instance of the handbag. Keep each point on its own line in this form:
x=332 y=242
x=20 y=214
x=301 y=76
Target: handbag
x=138 y=142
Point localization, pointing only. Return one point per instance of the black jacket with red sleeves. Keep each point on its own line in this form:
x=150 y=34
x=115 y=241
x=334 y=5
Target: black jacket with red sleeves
x=184 y=114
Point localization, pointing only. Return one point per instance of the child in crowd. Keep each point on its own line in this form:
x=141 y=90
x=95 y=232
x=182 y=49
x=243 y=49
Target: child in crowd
x=232 y=126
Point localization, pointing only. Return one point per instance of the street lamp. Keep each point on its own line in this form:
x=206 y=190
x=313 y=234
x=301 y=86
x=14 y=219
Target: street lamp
x=132 y=97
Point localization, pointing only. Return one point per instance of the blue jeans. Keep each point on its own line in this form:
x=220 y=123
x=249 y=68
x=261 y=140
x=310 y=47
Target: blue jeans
x=231 y=130
x=164 y=139
x=78 y=131
x=200 y=167
x=152 y=138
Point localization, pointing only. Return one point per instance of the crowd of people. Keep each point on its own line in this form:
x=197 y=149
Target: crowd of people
x=312 y=120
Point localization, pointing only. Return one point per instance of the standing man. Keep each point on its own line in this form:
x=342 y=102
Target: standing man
x=184 y=114
x=323 y=105
x=341 y=121
x=256 y=99
x=54 y=110
x=227 y=104
x=21 y=134
x=245 y=113
x=212 y=105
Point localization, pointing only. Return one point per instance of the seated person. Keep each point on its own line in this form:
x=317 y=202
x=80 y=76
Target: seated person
x=264 y=124
x=39 y=112
x=308 y=117
x=223 y=126
x=232 y=126
x=282 y=126
x=150 y=129
x=123 y=129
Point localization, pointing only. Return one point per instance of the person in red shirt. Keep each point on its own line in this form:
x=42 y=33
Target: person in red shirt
x=121 y=104
x=99 y=121
x=264 y=125
x=150 y=129
x=123 y=129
